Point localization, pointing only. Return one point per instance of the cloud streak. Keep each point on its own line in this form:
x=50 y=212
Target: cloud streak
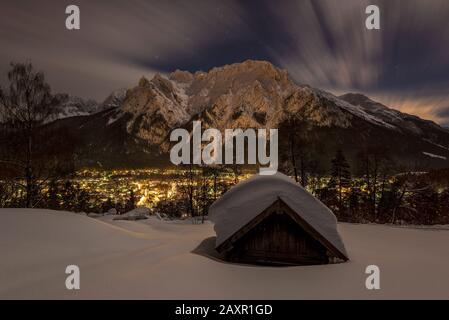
x=320 y=42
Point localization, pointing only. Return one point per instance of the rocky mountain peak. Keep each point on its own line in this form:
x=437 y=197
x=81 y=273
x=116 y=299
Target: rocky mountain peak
x=206 y=88
x=239 y=75
x=143 y=82
x=182 y=77
x=153 y=108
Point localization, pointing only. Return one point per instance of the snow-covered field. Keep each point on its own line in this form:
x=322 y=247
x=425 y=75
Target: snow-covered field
x=153 y=259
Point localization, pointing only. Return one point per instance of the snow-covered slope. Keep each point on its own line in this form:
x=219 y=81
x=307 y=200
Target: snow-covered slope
x=72 y=106
x=153 y=259
x=406 y=123
x=114 y=100
x=361 y=113
x=434 y=155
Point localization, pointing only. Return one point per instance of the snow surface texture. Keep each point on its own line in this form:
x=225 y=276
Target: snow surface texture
x=152 y=259
x=248 y=199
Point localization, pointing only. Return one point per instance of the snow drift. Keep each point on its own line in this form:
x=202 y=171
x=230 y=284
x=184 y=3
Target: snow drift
x=152 y=259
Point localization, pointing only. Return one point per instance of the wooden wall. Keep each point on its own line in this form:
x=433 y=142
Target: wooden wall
x=279 y=240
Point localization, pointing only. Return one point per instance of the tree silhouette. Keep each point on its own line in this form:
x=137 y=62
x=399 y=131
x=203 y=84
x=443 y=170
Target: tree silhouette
x=30 y=151
x=340 y=176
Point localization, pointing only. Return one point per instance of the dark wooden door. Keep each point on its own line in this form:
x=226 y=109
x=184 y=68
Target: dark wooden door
x=278 y=239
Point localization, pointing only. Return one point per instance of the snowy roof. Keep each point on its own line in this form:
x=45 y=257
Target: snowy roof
x=248 y=199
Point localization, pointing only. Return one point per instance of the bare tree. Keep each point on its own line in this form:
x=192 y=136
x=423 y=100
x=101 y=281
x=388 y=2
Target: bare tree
x=31 y=151
x=187 y=186
x=340 y=176
x=375 y=164
x=406 y=187
x=298 y=149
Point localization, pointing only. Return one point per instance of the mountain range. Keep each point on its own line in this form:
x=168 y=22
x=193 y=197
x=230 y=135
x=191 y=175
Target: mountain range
x=132 y=127
x=72 y=106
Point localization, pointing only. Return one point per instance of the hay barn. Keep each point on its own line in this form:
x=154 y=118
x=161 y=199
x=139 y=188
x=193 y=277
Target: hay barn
x=272 y=220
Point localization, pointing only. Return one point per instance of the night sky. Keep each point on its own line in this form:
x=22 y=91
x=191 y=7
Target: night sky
x=322 y=43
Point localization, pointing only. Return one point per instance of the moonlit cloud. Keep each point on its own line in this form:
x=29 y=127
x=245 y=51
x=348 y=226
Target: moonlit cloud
x=323 y=43
x=119 y=41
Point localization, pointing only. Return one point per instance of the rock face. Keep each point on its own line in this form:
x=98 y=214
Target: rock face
x=155 y=107
x=253 y=94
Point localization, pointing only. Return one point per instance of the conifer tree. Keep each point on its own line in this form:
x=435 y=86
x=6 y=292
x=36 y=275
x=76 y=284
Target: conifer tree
x=340 y=176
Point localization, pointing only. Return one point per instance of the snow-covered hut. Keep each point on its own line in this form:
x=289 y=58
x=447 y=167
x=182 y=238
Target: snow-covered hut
x=273 y=220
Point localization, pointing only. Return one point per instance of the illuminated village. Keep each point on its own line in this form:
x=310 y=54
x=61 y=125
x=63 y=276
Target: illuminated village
x=149 y=187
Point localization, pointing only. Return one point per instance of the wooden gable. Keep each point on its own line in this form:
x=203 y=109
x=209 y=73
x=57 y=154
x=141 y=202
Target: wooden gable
x=279 y=236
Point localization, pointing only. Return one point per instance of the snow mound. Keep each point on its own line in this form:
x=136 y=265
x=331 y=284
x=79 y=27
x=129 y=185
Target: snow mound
x=247 y=200
x=134 y=215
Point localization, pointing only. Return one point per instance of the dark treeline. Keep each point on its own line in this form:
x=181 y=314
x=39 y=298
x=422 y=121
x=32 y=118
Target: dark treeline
x=65 y=195
x=374 y=188
x=374 y=191
x=378 y=196
x=37 y=160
